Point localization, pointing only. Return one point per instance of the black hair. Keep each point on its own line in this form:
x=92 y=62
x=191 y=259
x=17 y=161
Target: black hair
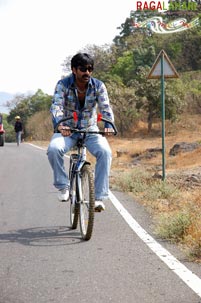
x=81 y=59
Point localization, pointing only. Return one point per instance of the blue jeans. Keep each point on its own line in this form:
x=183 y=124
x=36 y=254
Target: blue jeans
x=97 y=145
x=18 y=137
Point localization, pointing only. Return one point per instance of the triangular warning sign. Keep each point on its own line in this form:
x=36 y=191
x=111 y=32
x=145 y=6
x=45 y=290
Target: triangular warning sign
x=168 y=68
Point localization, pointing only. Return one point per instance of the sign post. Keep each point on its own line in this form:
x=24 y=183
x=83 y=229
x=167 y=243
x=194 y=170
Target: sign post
x=161 y=69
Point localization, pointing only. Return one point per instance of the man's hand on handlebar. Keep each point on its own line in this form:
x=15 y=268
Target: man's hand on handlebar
x=64 y=130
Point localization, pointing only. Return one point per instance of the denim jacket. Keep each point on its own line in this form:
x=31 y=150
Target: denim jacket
x=65 y=102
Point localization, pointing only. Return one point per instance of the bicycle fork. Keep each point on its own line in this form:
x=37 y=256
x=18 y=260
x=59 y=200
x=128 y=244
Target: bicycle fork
x=79 y=176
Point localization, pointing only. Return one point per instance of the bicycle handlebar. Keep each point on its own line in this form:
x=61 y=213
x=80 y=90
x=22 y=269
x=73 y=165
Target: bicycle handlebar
x=74 y=130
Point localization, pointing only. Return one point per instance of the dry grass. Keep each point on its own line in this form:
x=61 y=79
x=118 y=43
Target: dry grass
x=185 y=131
x=176 y=210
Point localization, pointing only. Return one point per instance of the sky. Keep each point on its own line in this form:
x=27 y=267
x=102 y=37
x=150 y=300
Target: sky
x=37 y=35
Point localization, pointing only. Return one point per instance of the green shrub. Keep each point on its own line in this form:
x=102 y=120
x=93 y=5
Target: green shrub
x=136 y=181
x=173 y=226
x=162 y=190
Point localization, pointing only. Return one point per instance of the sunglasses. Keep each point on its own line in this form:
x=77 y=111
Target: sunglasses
x=83 y=69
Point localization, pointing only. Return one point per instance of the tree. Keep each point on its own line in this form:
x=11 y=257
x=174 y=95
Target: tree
x=124 y=66
x=10 y=133
x=125 y=30
x=104 y=58
x=39 y=126
x=150 y=97
x=123 y=101
x=26 y=106
x=144 y=56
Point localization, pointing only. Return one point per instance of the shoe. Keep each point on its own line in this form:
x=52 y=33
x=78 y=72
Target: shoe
x=63 y=195
x=99 y=206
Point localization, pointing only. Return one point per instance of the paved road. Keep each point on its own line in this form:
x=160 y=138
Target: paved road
x=43 y=261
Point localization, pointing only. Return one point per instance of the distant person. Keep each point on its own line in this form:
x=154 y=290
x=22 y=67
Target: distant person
x=18 y=129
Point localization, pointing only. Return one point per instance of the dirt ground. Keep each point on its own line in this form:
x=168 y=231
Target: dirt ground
x=146 y=150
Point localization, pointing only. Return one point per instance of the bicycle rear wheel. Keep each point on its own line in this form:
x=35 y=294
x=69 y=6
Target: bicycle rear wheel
x=74 y=206
x=87 y=202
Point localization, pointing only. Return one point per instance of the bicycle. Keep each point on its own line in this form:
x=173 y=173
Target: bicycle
x=81 y=191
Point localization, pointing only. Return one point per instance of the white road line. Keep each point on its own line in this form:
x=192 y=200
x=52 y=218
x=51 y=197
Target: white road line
x=42 y=148
x=36 y=146
x=193 y=281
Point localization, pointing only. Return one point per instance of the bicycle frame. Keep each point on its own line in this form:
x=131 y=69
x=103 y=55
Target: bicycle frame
x=81 y=161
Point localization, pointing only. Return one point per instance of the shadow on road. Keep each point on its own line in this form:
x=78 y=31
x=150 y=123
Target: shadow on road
x=42 y=236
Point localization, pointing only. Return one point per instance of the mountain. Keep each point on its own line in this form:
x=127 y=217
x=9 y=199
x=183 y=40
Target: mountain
x=4 y=97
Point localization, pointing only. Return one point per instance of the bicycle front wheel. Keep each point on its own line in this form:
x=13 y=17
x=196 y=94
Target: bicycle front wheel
x=87 y=202
x=74 y=206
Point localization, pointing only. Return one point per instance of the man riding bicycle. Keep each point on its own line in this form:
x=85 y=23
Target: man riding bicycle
x=81 y=93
